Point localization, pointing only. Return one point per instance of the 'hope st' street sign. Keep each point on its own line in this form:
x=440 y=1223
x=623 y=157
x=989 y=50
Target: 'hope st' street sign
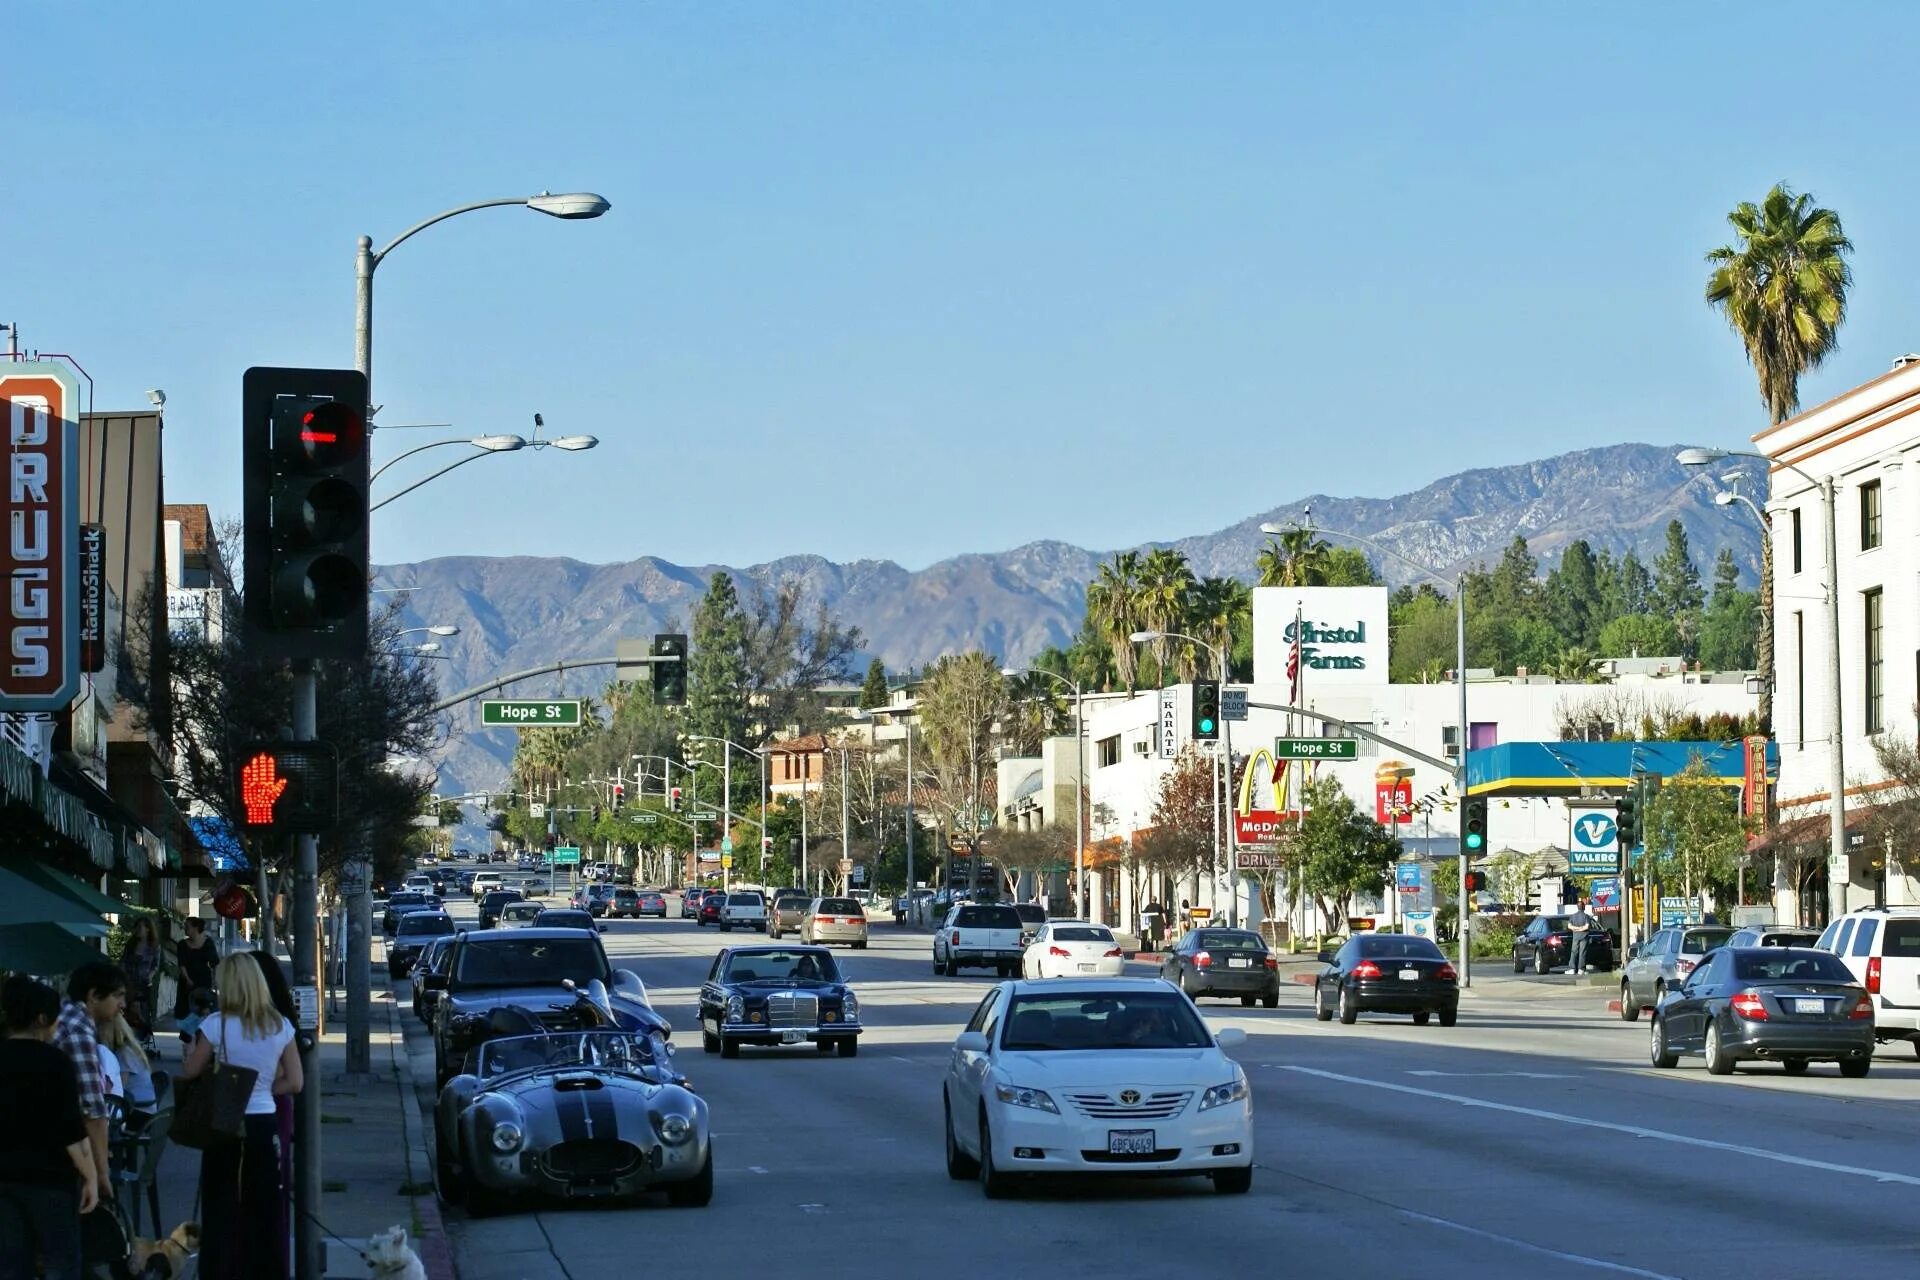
x=530 y=714
x=1316 y=749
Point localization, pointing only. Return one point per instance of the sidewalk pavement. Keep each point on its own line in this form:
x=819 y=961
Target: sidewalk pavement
x=375 y=1169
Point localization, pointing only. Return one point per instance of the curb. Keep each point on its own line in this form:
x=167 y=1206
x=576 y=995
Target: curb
x=433 y=1245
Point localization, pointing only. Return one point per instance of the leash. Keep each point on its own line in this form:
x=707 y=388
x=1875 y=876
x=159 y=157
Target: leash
x=331 y=1235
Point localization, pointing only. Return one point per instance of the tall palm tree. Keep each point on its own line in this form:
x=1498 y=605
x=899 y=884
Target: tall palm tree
x=1298 y=559
x=1113 y=608
x=1215 y=607
x=1782 y=286
x=1166 y=579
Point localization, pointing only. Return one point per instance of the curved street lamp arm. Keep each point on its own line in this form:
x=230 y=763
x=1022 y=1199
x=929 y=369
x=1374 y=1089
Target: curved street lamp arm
x=483 y=453
x=418 y=227
x=1054 y=675
x=1424 y=571
x=409 y=453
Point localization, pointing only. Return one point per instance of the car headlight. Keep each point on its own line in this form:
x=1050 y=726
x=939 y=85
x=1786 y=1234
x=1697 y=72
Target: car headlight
x=1235 y=1090
x=673 y=1129
x=1020 y=1096
x=507 y=1136
x=736 y=1009
x=850 y=1008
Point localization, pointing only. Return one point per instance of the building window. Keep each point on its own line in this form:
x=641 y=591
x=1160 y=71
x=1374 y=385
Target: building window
x=1109 y=751
x=1874 y=655
x=1482 y=734
x=1869 y=515
x=1450 y=740
x=1799 y=676
x=1796 y=540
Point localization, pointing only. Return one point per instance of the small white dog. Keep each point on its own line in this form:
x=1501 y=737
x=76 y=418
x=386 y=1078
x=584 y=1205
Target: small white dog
x=392 y=1258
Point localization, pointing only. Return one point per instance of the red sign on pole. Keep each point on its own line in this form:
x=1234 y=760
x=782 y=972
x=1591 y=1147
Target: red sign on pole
x=39 y=556
x=1393 y=801
x=1258 y=826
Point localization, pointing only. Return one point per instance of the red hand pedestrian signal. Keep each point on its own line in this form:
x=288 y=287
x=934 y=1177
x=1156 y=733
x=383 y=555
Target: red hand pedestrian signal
x=260 y=789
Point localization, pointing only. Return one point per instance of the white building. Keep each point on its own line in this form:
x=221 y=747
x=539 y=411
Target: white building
x=1863 y=442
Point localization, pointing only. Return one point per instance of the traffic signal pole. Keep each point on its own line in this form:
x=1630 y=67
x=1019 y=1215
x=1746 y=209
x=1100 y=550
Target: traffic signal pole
x=303 y=921
x=1464 y=913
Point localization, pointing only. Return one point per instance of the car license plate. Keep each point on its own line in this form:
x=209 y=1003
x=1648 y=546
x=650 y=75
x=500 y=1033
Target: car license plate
x=1238 y=964
x=1810 y=1006
x=1130 y=1142
x=1412 y=975
x=1088 y=968
x=791 y=1037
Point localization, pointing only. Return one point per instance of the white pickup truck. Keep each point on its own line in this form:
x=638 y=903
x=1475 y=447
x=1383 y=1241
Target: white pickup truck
x=743 y=910
x=979 y=935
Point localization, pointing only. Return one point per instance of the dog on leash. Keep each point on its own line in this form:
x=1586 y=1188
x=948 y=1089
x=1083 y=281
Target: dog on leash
x=392 y=1258
x=165 y=1259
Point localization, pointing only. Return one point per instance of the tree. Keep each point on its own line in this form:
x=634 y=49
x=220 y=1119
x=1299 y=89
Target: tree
x=717 y=672
x=961 y=700
x=791 y=652
x=1642 y=635
x=874 y=692
x=1782 y=286
x=1296 y=559
x=1572 y=595
x=1166 y=581
x=1217 y=607
x=1038 y=708
x=1423 y=635
x=1113 y=612
x=1694 y=832
x=1676 y=588
x=1728 y=628
x=1342 y=851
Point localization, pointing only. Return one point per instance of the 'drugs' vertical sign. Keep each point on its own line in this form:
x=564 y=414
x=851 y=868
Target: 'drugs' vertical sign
x=40 y=544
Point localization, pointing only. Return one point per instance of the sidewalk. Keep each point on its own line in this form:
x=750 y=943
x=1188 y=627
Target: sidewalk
x=375 y=1168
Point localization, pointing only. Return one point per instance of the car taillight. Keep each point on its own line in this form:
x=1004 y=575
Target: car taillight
x=1684 y=965
x=1366 y=969
x=1862 y=1008
x=823 y=919
x=1750 y=1006
x=1447 y=973
x=954 y=940
x=1112 y=952
x=1873 y=975
x=1058 y=951
x=1204 y=960
x=1273 y=962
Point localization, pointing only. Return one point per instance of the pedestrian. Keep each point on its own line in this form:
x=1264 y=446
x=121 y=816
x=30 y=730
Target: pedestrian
x=1580 y=924
x=141 y=960
x=47 y=1175
x=131 y=1067
x=1186 y=918
x=240 y=1181
x=197 y=955
x=1156 y=917
x=200 y=1007
x=96 y=995
x=281 y=994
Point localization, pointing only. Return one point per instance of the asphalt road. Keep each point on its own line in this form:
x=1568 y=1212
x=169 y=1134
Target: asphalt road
x=1532 y=1135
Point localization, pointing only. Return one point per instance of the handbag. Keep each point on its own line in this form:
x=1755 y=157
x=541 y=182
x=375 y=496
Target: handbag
x=211 y=1110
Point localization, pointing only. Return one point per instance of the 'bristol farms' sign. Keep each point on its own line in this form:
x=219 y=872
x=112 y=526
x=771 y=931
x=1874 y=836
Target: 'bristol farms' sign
x=1341 y=633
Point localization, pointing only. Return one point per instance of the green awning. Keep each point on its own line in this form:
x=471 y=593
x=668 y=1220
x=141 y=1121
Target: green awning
x=43 y=949
x=22 y=901
x=65 y=885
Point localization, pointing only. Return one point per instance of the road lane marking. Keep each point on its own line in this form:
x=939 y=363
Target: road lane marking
x=1631 y=1130
x=1485 y=1075
x=1579 y=1259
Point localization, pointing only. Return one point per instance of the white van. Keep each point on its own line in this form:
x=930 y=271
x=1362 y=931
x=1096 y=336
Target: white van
x=1881 y=945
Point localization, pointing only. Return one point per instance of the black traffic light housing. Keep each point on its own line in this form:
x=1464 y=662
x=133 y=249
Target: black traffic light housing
x=1206 y=711
x=305 y=480
x=1473 y=826
x=670 y=676
x=288 y=787
x=674 y=795
x=1627 y=818
x=1476 y=881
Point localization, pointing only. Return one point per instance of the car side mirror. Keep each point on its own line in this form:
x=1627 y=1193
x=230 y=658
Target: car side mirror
x=1326 y=957
x=1230 y=1037
x=970 y=1042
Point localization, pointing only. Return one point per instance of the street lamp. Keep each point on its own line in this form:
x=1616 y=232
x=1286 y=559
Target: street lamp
x=1079 y=769
x=484 y=446
x=913 y=903
x=726 y=784
x=437 y=629
x=1837 y=778
x=487 y=444
x=1221 y=761
x=1464 y=916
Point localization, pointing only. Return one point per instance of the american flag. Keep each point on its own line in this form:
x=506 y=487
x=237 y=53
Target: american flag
x=1293 y=659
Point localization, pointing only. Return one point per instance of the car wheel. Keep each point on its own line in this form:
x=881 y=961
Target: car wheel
x=1233 y=1182
x=1246 y=1002
x=993 y=1184
x=1449 y=1016
x=824 y=1046
x=849 y=1047
x=1349 y=1007
x=1519 y=966
x=484 y=1202
x=960 y=1166
x=1795 y=1066
x=1322 y=1012
x=1422 y=1018
x=939 y=966
x=725 y=927
x=1916 y=1047
x=1540 y=965
x=709 y=1042
x=859 y=946
x=446 y=1179
x=696 y=1192
x=1657 y=1049
x=774 y=934
x=1272 y=1001
x=1855 y=1068
x=1629 y=1007
x=729 y=1048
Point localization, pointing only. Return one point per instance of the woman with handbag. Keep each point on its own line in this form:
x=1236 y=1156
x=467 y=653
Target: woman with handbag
x=250 y=1041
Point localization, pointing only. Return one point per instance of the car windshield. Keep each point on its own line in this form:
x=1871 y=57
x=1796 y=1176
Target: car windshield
x=1081 y=933
x=1397 y=947
x=423 y=924
x=552 y=919
x=1700 y=941
x=743 y=899
x=782 y=966
x=1784 y=964
x=1099 y=1020
x=510 y=961
x=840 y=907
x=521 y=911
x=595 y=1050
x=1030 y=912
x=1229 y=940
x=987 y=918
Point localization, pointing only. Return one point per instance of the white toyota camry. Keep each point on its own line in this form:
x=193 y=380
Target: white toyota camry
x=1073 y=949
x=1101 y=1075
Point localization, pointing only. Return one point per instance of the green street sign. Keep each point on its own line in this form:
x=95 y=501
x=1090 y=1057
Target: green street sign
x=705 y=815
x=726 y=845
x=566 y=856
x=530 y=714
x=1316 y=749
x=647 y=817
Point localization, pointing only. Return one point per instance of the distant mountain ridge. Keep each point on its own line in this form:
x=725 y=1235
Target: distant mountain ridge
x=516 y=612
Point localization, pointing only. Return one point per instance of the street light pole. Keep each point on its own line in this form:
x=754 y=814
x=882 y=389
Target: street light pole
x=1222 y=761
x=1079 y=781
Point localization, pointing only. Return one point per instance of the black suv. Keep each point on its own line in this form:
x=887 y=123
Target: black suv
x=491 y=903
x=416 y=930
x=495 y=969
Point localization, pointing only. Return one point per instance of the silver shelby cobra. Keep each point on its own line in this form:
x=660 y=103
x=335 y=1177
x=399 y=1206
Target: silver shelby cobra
x=587 y=1114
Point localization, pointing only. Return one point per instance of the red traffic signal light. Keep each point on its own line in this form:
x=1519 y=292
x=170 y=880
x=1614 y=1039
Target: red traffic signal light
x=1476 y=881
x=288 y=787
x=673 y=799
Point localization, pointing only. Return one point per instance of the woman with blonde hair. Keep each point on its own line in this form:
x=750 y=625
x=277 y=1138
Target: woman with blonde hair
x=240 y=1181
x=130 y=1065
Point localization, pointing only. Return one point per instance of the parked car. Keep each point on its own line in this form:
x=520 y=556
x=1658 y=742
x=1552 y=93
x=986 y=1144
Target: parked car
x=1387 y=973
x=492 y=903
x=428 y=977
x=519 y=915
x=777 y=995
x=1790 y=1005
x=1117 y=1076
x=788 y=912
x=1881 y=948
x=981 y=936
x=690 y=900
x=742 y=909
x=1773 y=935
x=400 y=904
x=1546 y=944
x=1032 y=916
x=1072 y=949
x=710 y=907
x=415 y=929
x=1224 y=962
x=623 y=904
x=831 y=920
x=653 y=903
x=1663 y=962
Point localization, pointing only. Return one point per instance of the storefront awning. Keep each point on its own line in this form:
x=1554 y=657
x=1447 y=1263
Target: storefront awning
x=43 y=949
x=65 y=885
x=23 y=901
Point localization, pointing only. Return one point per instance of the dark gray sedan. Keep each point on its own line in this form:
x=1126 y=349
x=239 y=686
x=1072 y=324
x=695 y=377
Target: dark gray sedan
x=1224 y=962
x=1782 y=1004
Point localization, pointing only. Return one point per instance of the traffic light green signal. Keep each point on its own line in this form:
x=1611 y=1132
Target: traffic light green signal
x=1473 y=825
x=1206 y=710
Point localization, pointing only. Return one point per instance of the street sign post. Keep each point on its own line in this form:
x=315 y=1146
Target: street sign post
x=1169 y=723
x=566 y=856
x=530 y=713
x=1316 y=748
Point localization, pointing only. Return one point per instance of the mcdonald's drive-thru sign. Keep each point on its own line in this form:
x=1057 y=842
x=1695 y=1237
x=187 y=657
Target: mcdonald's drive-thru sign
x=1262 y=810
x=40 y=408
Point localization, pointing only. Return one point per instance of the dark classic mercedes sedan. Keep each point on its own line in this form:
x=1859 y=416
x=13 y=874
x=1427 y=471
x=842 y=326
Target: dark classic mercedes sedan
x=777 y=995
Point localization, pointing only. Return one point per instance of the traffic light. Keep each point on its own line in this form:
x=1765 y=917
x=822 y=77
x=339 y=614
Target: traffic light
x=1626 y=817
x=670 y=677
x=673 y=799
x=1206 y=711
x=304 y=448
x=1476 y=881
x=288 y=787
x=1473 y=826
x=619 y=795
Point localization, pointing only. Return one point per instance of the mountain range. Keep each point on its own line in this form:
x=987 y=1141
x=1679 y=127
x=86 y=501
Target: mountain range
x=516 y=612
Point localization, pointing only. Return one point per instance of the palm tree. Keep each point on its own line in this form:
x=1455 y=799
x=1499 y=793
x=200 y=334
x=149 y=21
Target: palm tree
x=1782 y=286
x=1215 y=608
x=1113 y=609
x=1165 y=581
x=1298 y=559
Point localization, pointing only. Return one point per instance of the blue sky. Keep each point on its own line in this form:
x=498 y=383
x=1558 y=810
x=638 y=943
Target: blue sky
x=907 y=280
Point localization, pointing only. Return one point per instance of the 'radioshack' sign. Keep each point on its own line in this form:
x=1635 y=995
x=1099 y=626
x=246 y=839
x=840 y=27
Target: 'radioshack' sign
x=40 y=547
